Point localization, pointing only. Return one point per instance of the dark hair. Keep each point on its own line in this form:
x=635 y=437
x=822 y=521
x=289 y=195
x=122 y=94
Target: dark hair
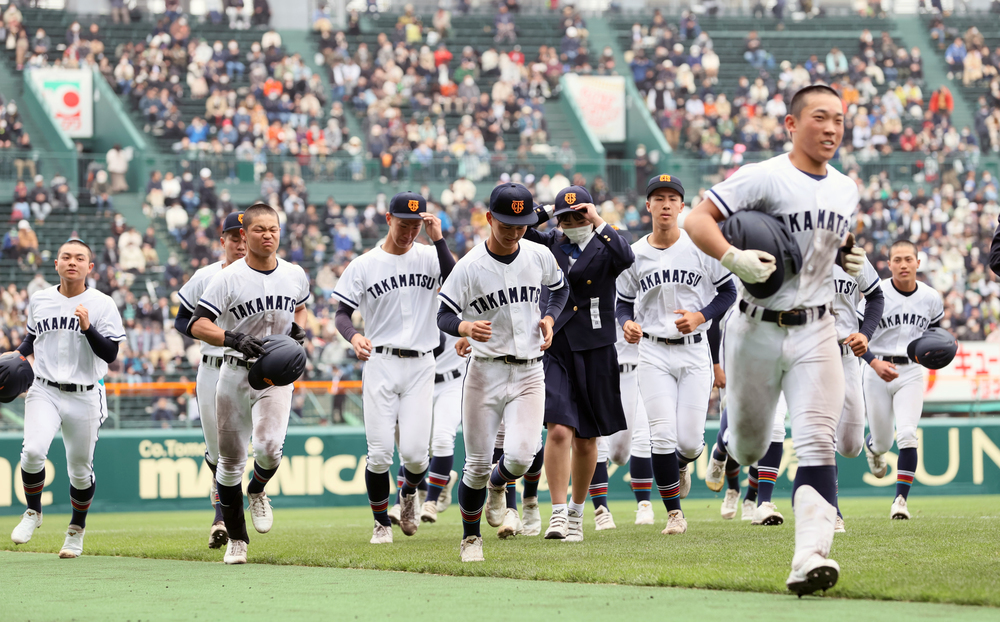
x=799 y=99
x=257 y=209
x=79 y=242
x=899 y=243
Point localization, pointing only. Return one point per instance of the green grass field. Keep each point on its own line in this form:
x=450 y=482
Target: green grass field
x=948 y=553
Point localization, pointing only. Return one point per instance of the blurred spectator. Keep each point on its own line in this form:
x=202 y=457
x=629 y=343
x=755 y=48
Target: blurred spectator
x=117 y=163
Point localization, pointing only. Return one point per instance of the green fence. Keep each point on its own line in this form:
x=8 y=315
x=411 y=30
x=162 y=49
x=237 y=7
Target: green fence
x=146 y=470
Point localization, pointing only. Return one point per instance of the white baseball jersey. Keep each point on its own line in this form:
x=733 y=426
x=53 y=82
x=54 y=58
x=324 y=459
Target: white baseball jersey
x=850 y=291
x=905 y=317
x=449 y=359
x=483 y=288
x=62 y=353
x=662 y=281
x=191 y=293
x=256 y=303
x=819 y=212
x=397 y=296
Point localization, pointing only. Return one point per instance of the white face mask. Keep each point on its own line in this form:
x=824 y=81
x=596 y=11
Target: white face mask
x=577 y=235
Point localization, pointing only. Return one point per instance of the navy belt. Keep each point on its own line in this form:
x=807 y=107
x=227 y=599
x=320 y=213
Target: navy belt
x=625 y=368
x=674 y=342
x=212 y=361
x=895 y=360
x=446 y=376
x=795 y=317
x=232 y=360
x=509 y=360
x=69 y=388
x=403 y=354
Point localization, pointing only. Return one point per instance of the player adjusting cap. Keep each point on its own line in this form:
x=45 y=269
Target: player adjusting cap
x=512 y=204
x=570 y=198
x=664 y=181
x=407 y=205
x=232 y=221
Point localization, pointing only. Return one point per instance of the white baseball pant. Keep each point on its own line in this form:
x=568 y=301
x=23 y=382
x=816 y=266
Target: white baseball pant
x=205 y=387
x=899 y=403
x=447 y=416
x=79 y=415
x=244 y=412
x=675 y=383
x=634 y=440
x=851 y=429
x=398 y=396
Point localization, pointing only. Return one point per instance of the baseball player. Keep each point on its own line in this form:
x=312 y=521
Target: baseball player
x=257 y=296
x=893 y=384
x=496 y=288
x=449 y=370
x=74 y=332
x=664 y=302
x=788 y=340
x=234 y=248
x=394 y=286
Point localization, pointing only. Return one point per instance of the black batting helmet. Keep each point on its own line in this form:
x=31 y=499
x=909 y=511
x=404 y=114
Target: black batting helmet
x=935 y=349
x=15 y=376
x=283 y=362
x=748 y=229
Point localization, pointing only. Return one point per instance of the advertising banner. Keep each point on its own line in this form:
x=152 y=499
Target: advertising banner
x=974 y=375
x=70 y=96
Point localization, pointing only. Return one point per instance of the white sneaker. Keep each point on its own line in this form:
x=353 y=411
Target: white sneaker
x=30 y=521
x=429 y=512
x=748 y=510
x=472 y=549
x=644 y=514
x=839 y=527
x=421 y=498
x=685 y=482
x=558 y=526
x=603 y=519
x=393 y=514
x=574 y=529
x=445 y=499
x=260 y=512
x=899 y=511
x=816 y=573
x=716 y=474
x=496 y=504
x=767 y=514
x=676 y=523
x=218 y=536
x=381 y=534
x=236 y=552
x=876 y=463
x=729 y=504
x=531 y=518
x=408 y=522
x=73 y=546
x=511 y=524
x=815 y=520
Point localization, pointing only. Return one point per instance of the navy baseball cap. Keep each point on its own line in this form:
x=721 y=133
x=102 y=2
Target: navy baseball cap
x=512 y=204
x=664 y=181
x=407 y=205
x=232 y=221
x=569 y=198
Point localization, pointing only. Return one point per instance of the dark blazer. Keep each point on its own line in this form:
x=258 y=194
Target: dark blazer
x=995 y=253
x=593 y=275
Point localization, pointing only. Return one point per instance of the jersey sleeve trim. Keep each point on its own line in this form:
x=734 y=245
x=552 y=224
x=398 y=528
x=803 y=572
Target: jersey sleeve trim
x=871 y=288
x=185 y=302
x=938 y=317
x=728 y=276
x=451 y=303
x=557 y=284
x=625 y=296
x=719 y=202
x=304 y=300
x=117 y=337
x=210 y=306
x=345 y=299
x=31 y=329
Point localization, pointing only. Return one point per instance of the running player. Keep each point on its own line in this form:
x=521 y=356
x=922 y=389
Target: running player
x=496 y=287
x=449 y=369
x=74 y=332
x=788 y=341
x=893 y=384
x=664 y=302
x=394 y=286
x=233 y=248
x=257 y=296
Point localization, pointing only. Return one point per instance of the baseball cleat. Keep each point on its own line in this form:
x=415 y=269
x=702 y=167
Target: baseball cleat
x=511 y=525
x=603 y=519
x=574 y=529
x=218 y=536
x=381 y=534
x=676 y=523
x=236 y=552
x=408 y=522
x=748 y=510
x=716 y=474
x=260 y=512
x=729 y=504
x=644 y=514
x=445 y=499
x=839 y=527
x=73 y=546
x=394 y=514
x=767 y=514
x=30 y=521
x=531 y=518
x=817 y=573
x=899 y=511
x=421 y=498
x=472 y=549
x=429 y=512
x=496 y=504
x=558 y=526
x=876 y=463
x=685 y=481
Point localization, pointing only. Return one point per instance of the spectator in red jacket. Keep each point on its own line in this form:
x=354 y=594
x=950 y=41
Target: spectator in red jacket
x=942 y=103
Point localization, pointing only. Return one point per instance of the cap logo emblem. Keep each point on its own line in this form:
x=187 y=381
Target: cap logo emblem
x=517 y=206
x=413 y=205
x=241 y=218
x=664 y=177
x=570 y=198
